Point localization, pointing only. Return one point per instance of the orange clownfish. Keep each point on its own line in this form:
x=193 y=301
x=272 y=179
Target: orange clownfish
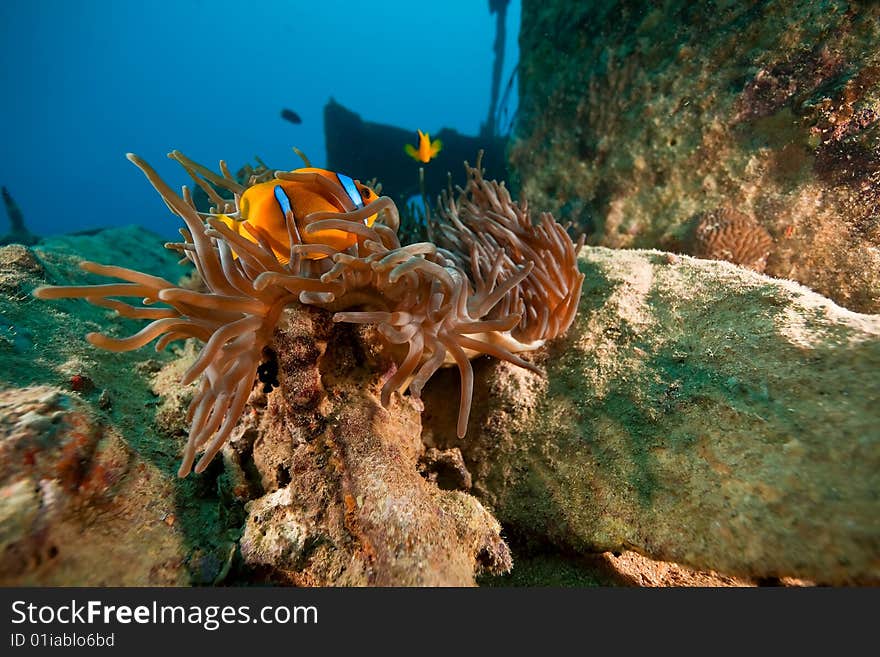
x=426 y=150
x=265 y=205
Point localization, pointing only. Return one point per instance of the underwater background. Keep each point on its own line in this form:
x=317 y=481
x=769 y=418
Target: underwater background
x=91 y=80
x=679 y=387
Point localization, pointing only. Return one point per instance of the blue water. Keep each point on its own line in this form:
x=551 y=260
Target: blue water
x=87 y=81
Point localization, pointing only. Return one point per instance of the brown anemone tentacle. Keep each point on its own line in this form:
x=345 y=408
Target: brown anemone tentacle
x=317 y=223
x=84 y=291
x=334 y=189
x=232 y=270
x=267 y=241
x=505 y=323
x=230 y=418
x=428 y=367
x=466 y=374
x=213 y=301
x=355 y=216
x=314 y=249
x=225 y=181
x=260 y=258
x=387 y=235
x=294 y=284
x=399 y=336
x=142 y=337
x=498 y=352
x=130 y=275
x=213 y=411
x=210 y=265
x=212 y=194
x=410 y=363
x=219 y=339
x=355 y=317
x=319 y=299
x=489 y=302
x=125 y=310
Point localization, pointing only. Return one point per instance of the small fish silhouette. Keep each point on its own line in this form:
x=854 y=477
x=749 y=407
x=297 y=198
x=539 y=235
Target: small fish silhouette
x=291 y=116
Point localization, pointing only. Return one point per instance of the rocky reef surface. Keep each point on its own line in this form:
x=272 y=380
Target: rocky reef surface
x=85 y=496
x=701 y=423
x=746 y=131
x=697 y=413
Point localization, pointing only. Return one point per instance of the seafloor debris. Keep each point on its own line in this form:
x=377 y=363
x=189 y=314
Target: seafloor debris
x=18 y=232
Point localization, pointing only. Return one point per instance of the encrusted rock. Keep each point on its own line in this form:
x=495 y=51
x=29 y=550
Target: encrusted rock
x=634 y=117
x=697 y=413
x=70 y=498
x=446 y=468
x=83 y=489
x=344 y=503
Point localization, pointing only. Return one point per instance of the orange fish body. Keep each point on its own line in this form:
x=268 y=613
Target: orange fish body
x=426 y=149
x=264 y=206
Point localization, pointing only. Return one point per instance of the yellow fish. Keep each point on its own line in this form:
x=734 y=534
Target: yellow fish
x=265 y=205
x=426 y=150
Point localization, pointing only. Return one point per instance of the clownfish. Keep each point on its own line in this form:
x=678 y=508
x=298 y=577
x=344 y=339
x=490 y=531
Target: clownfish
x=426 y=150
x=265 y=205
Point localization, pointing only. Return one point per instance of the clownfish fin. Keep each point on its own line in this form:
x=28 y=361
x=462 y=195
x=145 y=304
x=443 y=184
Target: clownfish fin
x=411 y=151
x=436 y=145
x=233 y=224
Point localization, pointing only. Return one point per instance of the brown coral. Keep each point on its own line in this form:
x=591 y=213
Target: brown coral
x=521 y=287
x=727 y=234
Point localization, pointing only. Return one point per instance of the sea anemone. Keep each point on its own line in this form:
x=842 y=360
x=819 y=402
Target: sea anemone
x=493 y=284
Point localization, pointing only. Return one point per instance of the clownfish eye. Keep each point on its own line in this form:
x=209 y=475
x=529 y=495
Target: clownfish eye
x=365 y=193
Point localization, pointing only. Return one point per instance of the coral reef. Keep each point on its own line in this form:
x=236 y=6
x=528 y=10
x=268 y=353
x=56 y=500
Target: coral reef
x=695 y=412
x=726 y=234
x=415 y=295
x=62 y=475
x=635 y=118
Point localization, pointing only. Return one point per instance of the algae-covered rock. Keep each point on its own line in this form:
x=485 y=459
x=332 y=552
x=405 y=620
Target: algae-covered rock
x=77 y=507
x=88 y=492
x=697 y=413
x=638 y=120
